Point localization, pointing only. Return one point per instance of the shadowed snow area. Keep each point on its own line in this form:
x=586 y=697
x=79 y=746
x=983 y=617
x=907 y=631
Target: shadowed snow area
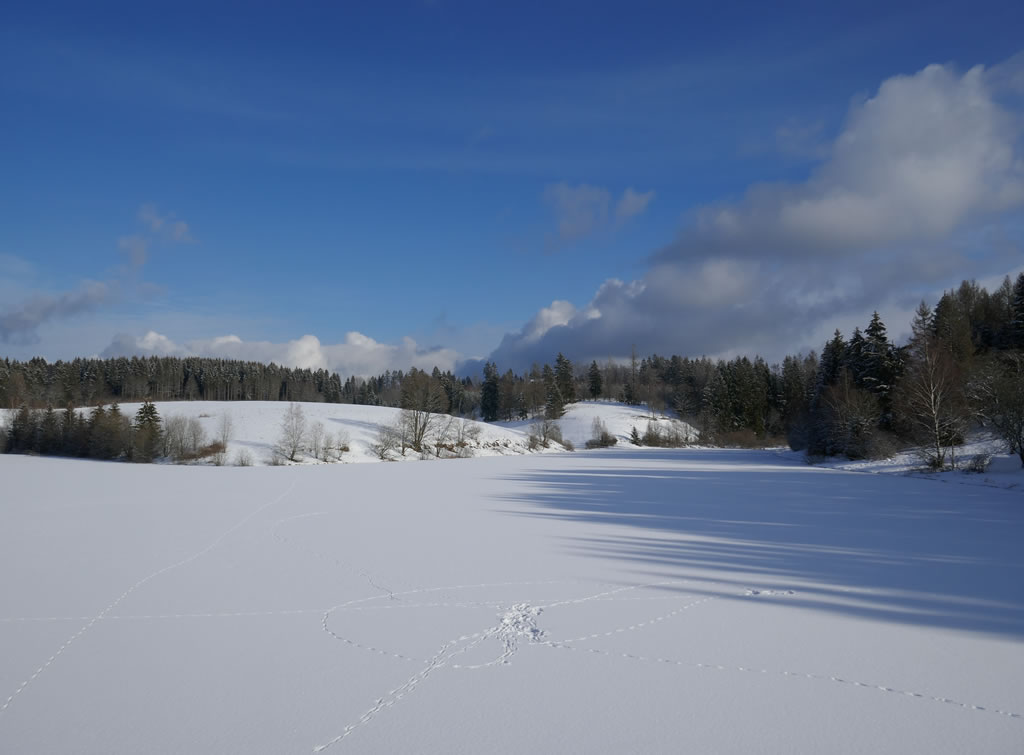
x=625 y=600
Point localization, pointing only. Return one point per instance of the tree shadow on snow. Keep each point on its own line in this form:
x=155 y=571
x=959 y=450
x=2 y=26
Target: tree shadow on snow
x=879 y=546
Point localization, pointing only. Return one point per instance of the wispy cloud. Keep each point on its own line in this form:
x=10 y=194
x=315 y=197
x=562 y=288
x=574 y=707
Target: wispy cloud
x=584 y=209
x=632 y=203
x=166 y=225
x=20 y=323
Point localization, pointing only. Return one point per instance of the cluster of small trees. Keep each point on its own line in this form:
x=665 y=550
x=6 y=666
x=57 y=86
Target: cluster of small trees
x=107 y=433
x=299 y=438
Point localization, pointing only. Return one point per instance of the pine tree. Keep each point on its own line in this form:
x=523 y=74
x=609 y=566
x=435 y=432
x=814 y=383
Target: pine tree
x=856 y=356
x=49 y=432
x=565 y=378
x=148 y=433
x=554 y=404
x=877 y=371
x=922 y=327
x=594 y=380
x=832 y=357
x=490 y=395
x=22 y=435
x=1017 y=324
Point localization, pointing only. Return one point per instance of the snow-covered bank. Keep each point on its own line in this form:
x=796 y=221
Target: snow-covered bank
x=578 y=422
x=983 y=460
x=256 y=428
x=623 y=600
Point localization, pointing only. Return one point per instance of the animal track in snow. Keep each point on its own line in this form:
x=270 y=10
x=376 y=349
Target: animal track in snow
x=517 y=622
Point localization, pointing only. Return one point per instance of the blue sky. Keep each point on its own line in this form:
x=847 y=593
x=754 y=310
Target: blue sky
x=434 y=181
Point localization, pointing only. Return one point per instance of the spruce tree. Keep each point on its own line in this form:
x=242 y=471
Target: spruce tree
x=565 y=378
x=1017 y=305
x=148 y=433
x=594 y=380
x=490 y=394
x=554 y=404
x=49 y=432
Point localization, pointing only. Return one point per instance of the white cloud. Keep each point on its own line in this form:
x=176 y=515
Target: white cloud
x=358 y=354
x=923 y=186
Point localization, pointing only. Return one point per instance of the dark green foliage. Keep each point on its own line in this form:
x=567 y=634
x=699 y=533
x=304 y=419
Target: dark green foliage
x=489 y=394
x=565 y=379
x=148 y=433
x=554 y=403
x=594 y=381
x=1016 y=324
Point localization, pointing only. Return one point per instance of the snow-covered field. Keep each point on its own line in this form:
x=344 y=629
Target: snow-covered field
x=622 y=600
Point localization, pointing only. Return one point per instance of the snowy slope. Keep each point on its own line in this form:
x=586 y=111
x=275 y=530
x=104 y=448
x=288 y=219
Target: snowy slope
x=620 y=419
x=623 y=600
x=257 y=427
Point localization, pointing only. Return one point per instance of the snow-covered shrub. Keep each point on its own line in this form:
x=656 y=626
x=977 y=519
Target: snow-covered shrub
x=543 y=432
x=388 y=440
x=183 y=438
x=979 y=463
x=243 y=458
x=599 y=435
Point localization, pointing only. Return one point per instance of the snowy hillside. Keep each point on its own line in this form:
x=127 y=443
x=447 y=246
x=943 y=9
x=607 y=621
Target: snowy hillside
x=256 y=427
x=619 y=419
x=630 y=600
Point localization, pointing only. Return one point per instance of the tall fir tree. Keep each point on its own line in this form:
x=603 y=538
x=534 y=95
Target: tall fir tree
x=1017 y=306
x=594 y=380
x=148 y=433
x=565 y=378
x=554 y=404
x=490 y=397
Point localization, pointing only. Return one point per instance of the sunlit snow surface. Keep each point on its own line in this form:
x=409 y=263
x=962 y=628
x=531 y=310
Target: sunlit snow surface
x=624 y=600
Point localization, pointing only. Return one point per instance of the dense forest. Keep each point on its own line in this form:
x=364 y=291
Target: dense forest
x=863 y=396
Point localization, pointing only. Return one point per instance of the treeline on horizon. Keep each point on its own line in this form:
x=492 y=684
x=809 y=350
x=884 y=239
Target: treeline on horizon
x=863 y=396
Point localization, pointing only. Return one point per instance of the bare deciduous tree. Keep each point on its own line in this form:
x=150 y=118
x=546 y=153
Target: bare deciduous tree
x=225 y=429
x=388 y=439
x=931 y=399
x=998 y=395
x=316 y=439
x=293 y=433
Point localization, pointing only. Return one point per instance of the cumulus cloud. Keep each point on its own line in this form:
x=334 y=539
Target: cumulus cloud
x=584 y=209
x=358 y=354
x=920 y=176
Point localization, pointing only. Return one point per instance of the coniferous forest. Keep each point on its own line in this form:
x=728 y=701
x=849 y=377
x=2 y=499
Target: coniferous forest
x=863 y=396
